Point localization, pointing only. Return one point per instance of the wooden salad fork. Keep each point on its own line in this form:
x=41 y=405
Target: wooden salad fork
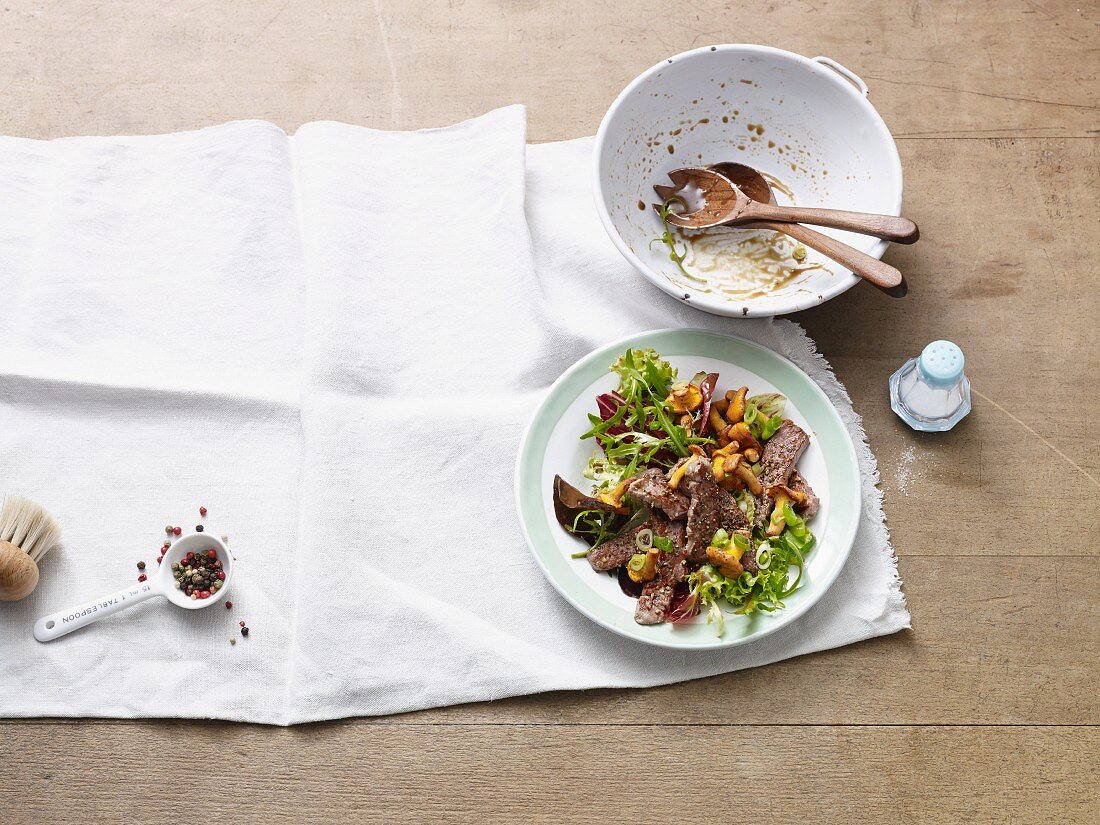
x=756 y=186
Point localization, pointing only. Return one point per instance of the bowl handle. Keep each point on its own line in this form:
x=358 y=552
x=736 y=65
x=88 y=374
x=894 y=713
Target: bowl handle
x=847 y=74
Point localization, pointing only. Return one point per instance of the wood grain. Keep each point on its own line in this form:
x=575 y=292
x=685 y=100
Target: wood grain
x=1018 y=68
x=986 y=710
x=532 y=773
x=987 y=649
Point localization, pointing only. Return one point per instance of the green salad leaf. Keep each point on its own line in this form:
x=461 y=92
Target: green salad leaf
x=602 y=472
x=598 y=525
x=636 y=427
x=765 y=590
x=770 y=404
x=641 y=369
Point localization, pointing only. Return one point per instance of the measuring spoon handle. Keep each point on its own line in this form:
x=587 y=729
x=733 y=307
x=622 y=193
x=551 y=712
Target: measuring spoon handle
x=887 y=227
x=871 y=269
x=63 y=622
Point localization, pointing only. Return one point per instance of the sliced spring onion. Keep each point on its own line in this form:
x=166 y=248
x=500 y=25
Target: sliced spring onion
x=644 y=540
x=721 y=538
x=768 y=428
x=663 y=544
x=764 y=556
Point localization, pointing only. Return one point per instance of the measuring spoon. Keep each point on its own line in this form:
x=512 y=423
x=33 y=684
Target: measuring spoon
x=161 y=582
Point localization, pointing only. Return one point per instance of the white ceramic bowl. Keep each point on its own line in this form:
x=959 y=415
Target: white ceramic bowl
x=820 y=136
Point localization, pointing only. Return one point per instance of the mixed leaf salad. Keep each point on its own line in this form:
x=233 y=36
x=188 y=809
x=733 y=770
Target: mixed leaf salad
x=695 y=501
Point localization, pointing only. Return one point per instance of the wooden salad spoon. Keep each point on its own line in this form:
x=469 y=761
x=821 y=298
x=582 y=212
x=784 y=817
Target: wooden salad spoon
x=871 y=269
x=712 y=200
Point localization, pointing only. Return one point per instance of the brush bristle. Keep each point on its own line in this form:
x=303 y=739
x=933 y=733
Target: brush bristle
x=28 y=527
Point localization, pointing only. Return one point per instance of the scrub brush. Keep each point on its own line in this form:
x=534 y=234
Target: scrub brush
x=27 y=533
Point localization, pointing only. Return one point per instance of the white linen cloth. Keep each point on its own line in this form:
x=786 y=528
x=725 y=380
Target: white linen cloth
x=333 y=341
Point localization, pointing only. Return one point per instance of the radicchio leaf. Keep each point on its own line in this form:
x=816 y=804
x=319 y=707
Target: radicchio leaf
x=706 y=386
x=685 y=603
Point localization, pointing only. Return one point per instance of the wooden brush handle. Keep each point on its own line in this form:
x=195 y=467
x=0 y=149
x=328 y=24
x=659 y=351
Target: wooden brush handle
x=871 y=269
x=18 y=573
x=887 y=227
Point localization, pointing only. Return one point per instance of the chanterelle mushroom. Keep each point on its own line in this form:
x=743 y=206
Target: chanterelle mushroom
x=685 y=398
x=781 y=494
x=642 y=567
x=726 y=560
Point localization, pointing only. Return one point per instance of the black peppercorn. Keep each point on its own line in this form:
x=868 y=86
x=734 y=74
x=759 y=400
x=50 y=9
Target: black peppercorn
x=141 y=565
x=198 y=528
x=244 y=631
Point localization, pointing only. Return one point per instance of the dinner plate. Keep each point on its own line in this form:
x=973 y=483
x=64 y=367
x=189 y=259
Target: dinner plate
x=552 y=446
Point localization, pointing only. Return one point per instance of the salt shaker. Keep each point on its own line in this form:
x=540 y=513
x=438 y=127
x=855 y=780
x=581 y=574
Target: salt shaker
x=930 y=392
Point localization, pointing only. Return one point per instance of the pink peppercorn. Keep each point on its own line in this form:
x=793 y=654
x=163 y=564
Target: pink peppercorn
x=221 y=575
x=177 y=531
x=211 y=554
x=228 y=605
x=241 y=624
x=202 y=511
x=142 y=577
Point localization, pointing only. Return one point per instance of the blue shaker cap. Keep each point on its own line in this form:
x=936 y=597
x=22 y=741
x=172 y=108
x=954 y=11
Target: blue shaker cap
x=941 y=364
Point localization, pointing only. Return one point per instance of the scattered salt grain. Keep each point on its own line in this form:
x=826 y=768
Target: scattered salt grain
x=908 y=469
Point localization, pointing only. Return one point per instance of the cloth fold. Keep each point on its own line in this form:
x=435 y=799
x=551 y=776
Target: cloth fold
x=333 y=341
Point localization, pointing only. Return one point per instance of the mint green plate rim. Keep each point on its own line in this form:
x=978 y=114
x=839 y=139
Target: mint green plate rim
x=567 y=575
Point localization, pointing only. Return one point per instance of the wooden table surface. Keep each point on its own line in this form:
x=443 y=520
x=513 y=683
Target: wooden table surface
x=987 y=710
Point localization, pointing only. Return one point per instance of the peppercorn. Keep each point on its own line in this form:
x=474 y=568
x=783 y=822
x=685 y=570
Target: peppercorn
x=202 y=511
x=177 y=531
x=244 y=631
x=167 y=544
x=241 y=624
x=142 y=577
x=228 y=605
x=168 y=529
x=232 y=641
x=141 y=565
x=198 y=528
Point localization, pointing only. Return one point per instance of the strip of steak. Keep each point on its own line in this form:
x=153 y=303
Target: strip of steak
x=799 y=484
x=651 y=488
x=781 y=453
x=674 y=531
x=617 y=551
x=698 y=471
x=654 y=602
x=712 y=508
x=656 y=596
